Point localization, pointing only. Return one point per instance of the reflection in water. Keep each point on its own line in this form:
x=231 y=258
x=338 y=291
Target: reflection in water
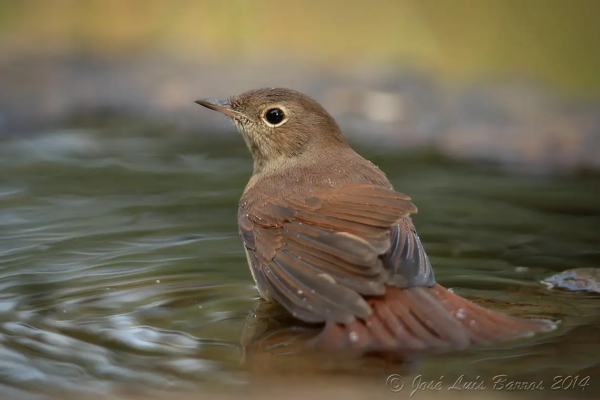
x=121 y=269
x=276 y=344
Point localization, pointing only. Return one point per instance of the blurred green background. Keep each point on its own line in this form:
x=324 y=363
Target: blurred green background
x=553 y=41
x=514 y=81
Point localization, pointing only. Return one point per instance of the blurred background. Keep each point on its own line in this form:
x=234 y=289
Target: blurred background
x=121 y=271
x=506 y=80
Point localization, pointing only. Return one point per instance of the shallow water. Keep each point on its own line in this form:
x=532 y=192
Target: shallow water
x=121 y=270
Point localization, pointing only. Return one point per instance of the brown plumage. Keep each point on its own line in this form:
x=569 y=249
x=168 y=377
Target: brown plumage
x=328 y=237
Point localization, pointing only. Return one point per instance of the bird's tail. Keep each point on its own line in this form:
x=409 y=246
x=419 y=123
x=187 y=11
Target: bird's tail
x=426 y=319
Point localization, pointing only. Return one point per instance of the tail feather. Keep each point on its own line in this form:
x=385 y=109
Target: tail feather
x=427 y=318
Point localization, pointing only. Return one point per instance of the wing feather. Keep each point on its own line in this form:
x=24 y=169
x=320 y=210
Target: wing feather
x=319 y=256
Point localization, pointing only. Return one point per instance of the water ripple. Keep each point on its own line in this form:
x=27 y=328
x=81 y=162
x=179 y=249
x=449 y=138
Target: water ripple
x=120 y=264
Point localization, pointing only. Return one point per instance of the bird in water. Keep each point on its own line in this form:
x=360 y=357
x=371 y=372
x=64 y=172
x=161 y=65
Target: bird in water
x=328 y=237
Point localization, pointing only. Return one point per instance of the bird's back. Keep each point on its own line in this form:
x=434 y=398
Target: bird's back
x=298 y=179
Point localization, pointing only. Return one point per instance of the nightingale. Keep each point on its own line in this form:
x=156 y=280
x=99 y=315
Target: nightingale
x=328 y=237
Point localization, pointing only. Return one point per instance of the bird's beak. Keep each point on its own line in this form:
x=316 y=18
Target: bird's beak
x=221 y=106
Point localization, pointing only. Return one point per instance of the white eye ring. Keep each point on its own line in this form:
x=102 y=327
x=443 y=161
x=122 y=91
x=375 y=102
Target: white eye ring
x=275 y=115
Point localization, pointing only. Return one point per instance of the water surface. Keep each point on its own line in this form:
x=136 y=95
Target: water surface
x=121 y=269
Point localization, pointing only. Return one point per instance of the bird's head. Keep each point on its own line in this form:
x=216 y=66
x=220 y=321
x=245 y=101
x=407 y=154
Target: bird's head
x=278 y=124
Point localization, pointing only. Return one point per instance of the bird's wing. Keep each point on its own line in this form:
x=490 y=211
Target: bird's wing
x=319 y=255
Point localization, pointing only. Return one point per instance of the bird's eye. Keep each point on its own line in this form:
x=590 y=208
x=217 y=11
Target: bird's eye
x=274 y=116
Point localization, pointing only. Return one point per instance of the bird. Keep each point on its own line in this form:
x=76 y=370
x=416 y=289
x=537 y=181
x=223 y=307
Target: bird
x=328 y=237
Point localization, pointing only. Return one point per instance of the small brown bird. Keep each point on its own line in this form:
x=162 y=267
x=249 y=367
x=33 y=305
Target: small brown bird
x=328 y=237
